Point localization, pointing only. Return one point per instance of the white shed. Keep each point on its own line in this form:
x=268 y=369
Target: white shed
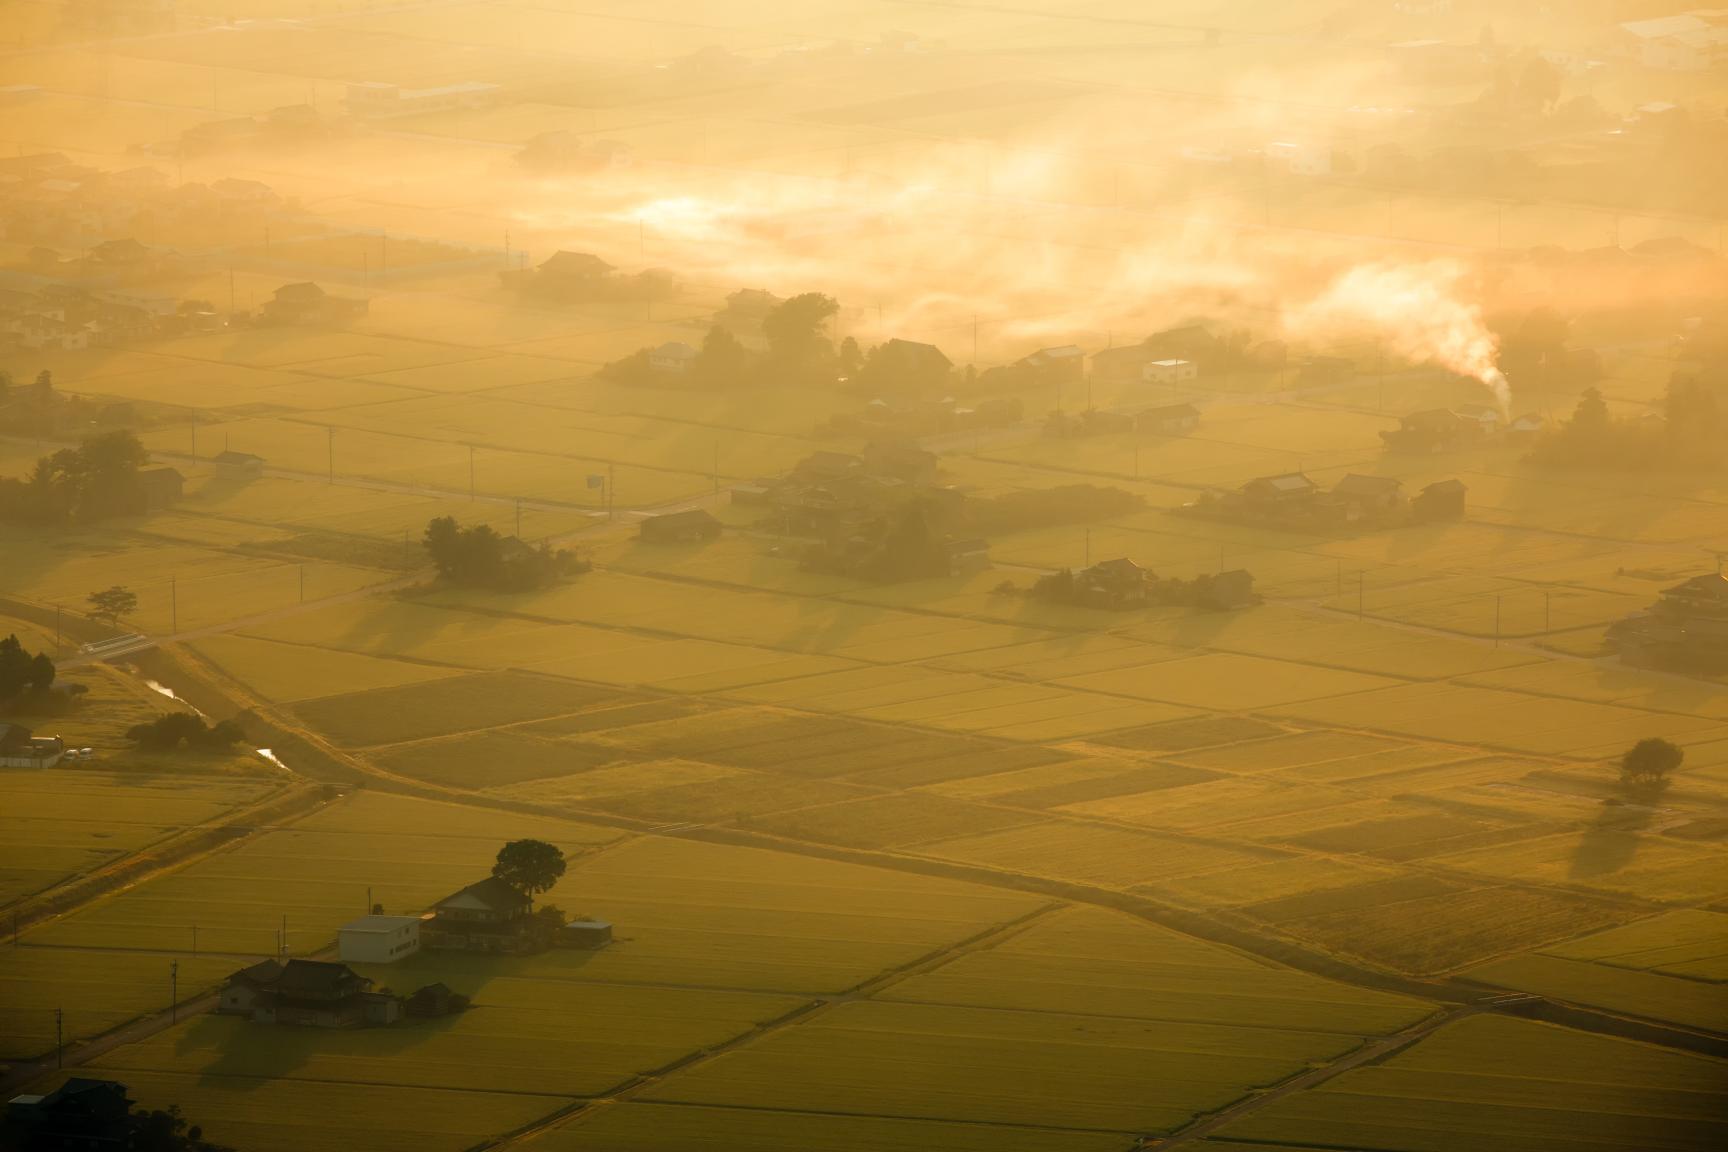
x=1169 y=371
x=378 y=939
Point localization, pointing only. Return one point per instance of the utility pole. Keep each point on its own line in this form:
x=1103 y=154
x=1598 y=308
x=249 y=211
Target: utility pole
x=173 y=991
x=716 y=472
x=173 y=608
x=330 y=443
x=56 y=652
x=1548 y=612
x=1136 y=461
x=1088 y=547
x=506 y=247
x=302 y=571
x=284 y=933
x=1340 y=577
x=194 y=939
x=194 y=427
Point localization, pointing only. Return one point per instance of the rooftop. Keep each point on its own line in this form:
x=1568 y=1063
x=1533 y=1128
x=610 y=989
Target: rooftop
x=380 y=924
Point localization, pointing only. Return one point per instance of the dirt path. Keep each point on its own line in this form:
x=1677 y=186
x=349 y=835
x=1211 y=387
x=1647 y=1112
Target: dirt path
x=1370 y=1053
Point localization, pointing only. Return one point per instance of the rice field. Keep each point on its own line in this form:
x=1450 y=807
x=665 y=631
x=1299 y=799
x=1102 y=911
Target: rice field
x=1491 y=1082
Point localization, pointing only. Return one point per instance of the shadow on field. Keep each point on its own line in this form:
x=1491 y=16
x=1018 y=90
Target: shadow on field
x=1610 y=842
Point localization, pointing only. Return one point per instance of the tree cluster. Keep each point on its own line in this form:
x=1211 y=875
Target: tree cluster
x=175 y=730
x=796 y=351
x=1690 y=433
x=22 y=671
x=479 y=557
x=98 y=478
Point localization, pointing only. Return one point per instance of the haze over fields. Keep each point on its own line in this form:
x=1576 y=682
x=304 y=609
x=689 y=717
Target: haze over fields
x=794 y=575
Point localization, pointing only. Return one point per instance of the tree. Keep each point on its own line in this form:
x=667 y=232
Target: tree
x=530 y=866
x=723 y=360
x=113 y=605
x=1591 y=415
x=1648 y=763
x=797 y=348
x=44 y=386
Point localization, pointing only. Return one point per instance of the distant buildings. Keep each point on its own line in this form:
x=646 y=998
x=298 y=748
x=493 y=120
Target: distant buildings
x=1695 y=41
x=691 y=526
x=1293 y=500
x=373 y=100
x=1121 y=585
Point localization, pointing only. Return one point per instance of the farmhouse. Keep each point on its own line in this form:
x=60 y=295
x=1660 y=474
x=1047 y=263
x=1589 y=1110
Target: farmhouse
x=1433 y=430
x=1289 y=488
x=1686 y=629
x=1443 y=500
x=909 y=365
x=1122 y=365
x=378 y=939
x=489 y=916
x=1115 y=584
x=239 y=463
x=81 y=1113
x=1171 y=420
x=1169 y=371
x=19 y=749
x=1362 y=497
x=687 y=527
x=1066 y=363
x=315 y=993
x=306 y=303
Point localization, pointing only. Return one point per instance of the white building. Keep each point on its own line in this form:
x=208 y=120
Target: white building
x=1695 y=41
x=379 y=100
x=378 y=939
x=672 y=356
x=1169 y=371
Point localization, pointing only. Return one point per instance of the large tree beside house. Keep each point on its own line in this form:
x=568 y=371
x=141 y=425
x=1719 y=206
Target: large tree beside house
x=531 y=866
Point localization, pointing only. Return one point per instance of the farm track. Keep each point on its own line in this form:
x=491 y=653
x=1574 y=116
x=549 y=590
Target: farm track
x=1373 y=1052
x=814 y=1009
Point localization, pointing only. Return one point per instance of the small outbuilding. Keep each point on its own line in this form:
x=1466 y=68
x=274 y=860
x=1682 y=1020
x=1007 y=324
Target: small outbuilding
x=585 y=934
x=158 y=488
x=672 y=357
x=691 y=526
x=1362 y=496
x=239 y=463
x=1169 y=371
